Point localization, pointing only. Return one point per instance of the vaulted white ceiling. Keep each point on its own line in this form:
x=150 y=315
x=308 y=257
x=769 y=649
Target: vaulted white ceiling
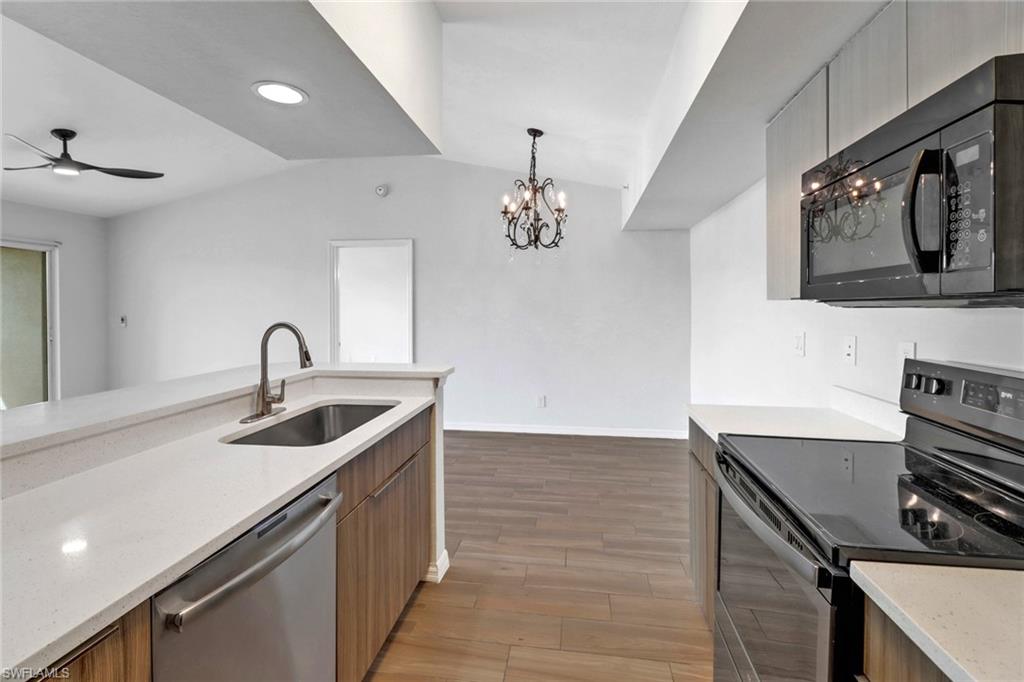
x=584 y=72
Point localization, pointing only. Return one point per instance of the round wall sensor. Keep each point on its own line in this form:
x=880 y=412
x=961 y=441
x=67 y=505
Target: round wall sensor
x=381 y=190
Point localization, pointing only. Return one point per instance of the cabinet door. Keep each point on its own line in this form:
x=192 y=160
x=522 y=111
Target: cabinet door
x=795 y=140
x=698 y=530
x=945 y=40
x=383 y=547
x=891 y=656
x=710 y=572
x=867 y=81
x=118 y=653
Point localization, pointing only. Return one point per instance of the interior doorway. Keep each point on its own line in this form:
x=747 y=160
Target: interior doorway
x=372 y=301
x=29 y=368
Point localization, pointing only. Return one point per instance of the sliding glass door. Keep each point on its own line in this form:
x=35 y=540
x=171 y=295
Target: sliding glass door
x=26 y=369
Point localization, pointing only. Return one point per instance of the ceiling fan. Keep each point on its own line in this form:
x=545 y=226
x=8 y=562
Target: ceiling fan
x=65 y=165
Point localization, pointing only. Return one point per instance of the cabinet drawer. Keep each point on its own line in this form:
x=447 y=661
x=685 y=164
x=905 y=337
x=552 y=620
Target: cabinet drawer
x=703 y=447
x=369 y=469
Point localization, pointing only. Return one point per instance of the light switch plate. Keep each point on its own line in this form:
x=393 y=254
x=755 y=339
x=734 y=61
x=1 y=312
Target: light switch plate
x=850 y=349
x=908 y=349
x=800 y=344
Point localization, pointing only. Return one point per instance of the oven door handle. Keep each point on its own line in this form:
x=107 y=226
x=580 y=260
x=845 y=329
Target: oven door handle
x=805 y=568
x=926 y=162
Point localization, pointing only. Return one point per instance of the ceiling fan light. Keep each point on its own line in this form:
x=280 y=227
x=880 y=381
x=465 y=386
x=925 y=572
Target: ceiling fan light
x=280 y=93
x=64 y=170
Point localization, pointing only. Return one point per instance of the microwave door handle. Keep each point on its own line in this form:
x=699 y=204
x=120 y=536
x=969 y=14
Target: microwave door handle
x=926 y=162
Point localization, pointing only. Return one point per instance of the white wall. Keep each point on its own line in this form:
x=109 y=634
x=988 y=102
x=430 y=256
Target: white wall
x=82 y=271
x=600 y=325
x=741 y=350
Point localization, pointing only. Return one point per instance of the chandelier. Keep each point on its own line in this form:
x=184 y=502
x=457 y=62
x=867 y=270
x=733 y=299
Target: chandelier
x=525 y=226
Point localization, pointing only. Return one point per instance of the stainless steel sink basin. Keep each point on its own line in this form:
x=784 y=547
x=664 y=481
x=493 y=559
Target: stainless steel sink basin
x=315 y=427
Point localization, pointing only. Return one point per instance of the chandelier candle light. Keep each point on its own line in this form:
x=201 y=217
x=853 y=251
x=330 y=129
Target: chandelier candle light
x=521 y=213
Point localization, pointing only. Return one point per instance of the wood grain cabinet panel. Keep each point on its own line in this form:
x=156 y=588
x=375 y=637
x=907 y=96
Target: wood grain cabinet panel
x=703 y=521
x=795 y=140
x=118 y=653
x=891 y=656
x=363 y=474
x=867 y=81
x=383 y=553
x=945 y=40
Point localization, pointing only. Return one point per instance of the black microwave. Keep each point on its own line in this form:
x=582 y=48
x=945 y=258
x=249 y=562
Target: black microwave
x=927 y=210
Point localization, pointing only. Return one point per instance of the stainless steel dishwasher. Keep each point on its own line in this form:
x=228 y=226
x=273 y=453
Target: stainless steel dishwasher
x=262 y=608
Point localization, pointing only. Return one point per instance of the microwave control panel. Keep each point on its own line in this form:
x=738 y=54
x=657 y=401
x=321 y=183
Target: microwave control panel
x=969 y=235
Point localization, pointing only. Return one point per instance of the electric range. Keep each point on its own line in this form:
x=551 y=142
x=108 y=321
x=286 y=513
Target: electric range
x=795 y=512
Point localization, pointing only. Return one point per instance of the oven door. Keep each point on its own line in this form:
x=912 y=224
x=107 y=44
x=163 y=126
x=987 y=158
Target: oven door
x=773 y=619
x=876 y=233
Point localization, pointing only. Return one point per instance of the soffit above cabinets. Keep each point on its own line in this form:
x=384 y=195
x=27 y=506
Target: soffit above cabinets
x=718 y=149
x=205 y=56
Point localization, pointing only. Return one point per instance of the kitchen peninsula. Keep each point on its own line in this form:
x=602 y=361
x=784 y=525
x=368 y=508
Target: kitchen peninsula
x=109 y=499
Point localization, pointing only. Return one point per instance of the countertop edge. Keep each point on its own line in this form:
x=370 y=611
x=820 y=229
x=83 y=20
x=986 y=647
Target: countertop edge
x=911 y=628
x=235 y=388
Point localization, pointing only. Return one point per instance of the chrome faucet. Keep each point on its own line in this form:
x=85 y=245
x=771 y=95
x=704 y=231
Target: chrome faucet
x=265 y=400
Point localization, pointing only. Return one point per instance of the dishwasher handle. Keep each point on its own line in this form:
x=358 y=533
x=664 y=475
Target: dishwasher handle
x=258 y=570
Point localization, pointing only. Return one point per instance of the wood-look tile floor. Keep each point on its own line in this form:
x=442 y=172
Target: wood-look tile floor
x=569 y=559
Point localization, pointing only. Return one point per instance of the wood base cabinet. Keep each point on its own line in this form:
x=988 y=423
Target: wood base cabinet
x=383 y=553
x=118 y=653
x=703 y=521
x=891 y=656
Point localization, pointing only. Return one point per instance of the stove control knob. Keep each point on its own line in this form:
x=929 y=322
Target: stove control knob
x=934 y=386
x=912 y=381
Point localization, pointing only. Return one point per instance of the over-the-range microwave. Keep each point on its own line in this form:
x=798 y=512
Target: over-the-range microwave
x=927 y=210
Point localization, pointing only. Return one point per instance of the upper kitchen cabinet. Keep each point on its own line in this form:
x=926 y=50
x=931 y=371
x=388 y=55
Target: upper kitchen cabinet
x=867 y=81
x=794 y=141
x=945 y=40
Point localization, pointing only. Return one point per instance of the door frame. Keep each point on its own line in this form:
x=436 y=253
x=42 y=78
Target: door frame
x=52 y=251
x=335 y=246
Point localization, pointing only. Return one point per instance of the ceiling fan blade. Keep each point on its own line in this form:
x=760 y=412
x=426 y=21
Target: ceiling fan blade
x=34 y=148
x=42 y=165
x=124 y=172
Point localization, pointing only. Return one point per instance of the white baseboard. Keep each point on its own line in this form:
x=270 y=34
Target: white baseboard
x=568 y=430
x=437 y=569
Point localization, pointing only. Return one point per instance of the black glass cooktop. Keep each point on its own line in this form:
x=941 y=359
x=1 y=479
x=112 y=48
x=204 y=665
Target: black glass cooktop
x=937 y=497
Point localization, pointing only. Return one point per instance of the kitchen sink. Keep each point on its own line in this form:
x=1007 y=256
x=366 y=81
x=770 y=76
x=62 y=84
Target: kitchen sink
x=315 y=427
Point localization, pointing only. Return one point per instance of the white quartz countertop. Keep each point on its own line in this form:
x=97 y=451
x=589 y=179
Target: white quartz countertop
x=968 y=621
x=50 y=423
x=82 y=551
x=793 y=422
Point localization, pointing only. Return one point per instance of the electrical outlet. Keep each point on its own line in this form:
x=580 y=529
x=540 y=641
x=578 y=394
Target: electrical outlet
x=850 y=349
x=908 y=349
x=800 y=344
x=542 y=401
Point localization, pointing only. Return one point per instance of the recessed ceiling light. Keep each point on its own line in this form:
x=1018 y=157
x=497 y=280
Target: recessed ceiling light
x=281 y=93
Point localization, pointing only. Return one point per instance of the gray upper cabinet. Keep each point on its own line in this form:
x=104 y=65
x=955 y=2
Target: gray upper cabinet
x=945 y=40
x=794 y=141
x=867 y=81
